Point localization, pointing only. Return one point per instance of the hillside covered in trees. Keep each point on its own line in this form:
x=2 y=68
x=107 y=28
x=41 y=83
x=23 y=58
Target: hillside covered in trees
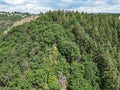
x=7 y=19
x=62 y=50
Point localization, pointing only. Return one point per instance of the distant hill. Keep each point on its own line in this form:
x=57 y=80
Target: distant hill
x=11 y=19
x=21 y=22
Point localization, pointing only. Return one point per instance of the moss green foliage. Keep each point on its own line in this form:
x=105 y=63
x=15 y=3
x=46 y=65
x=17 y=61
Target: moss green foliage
x=62 y=50
x=69 y=50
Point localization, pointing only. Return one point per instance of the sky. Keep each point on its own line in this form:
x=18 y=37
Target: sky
x=37 y=6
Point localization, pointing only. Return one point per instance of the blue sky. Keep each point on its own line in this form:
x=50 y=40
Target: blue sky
x=36 y=6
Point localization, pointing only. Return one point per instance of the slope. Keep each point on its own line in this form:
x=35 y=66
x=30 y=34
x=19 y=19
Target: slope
x=22 y=21
x=62 y=50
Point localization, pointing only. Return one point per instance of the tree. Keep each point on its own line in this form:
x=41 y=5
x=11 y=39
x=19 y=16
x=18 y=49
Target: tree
x=69 y=50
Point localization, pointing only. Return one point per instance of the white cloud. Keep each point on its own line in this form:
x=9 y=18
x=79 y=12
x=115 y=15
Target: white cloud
x=36 y=6
x=69 y=1
x=14 y=2
x=99 y=2
x=87 y=9
x=30 y=8
x=100 y=9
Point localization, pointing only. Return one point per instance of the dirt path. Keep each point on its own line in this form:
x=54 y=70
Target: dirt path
x=24 y=20
x=119 y=17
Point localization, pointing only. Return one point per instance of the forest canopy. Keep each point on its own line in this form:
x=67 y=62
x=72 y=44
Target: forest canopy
x=62 y=50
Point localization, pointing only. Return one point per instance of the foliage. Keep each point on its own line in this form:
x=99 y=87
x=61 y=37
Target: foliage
x=61 y=50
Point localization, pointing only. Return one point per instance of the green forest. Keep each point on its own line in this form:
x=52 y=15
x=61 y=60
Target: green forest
x=62 y=50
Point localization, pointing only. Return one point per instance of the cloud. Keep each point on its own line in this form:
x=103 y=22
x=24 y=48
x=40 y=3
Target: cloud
x=14 y=2
x=113 y=2
x=30 y=8
x=36 y=6
x=99 y=9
